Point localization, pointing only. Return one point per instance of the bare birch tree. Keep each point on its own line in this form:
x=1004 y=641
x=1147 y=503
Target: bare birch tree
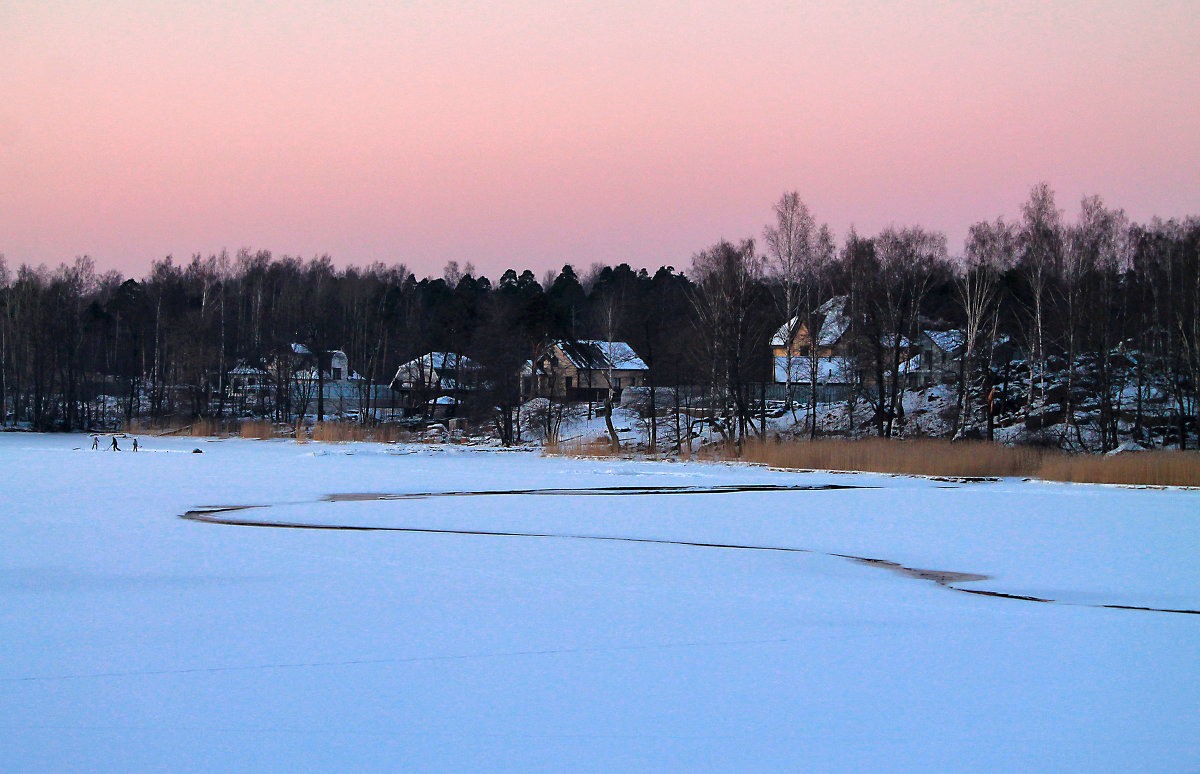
x=990 y=251
x=798 y=254
x=1040 y=265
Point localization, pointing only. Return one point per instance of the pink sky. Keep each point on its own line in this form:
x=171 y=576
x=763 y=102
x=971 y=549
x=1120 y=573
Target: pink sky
x=533 y=134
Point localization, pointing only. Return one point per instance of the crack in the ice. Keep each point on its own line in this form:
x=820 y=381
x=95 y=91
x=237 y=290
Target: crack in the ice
x=944 y=578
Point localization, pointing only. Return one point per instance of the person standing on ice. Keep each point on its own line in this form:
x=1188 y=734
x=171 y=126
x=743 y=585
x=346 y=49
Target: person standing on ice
x=95 y=442
x=114 y=444
x=135 y=444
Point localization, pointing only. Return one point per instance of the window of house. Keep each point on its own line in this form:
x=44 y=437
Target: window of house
x=337 y=374
x=617 y=383
x=569 y=380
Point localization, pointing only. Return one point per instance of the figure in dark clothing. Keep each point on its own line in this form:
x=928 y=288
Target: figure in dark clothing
x=95 y=442
x=114 y=444
x=135 y=444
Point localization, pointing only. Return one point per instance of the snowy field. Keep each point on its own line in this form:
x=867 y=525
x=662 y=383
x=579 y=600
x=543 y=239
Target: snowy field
x=134 y=640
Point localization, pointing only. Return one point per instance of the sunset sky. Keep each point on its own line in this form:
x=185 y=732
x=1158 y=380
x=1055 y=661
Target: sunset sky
x=534 y=134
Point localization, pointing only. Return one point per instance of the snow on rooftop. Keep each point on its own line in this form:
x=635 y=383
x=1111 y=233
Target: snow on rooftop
x=834 y=324
x=947 y=341
x=597 y=354
x=434 y=368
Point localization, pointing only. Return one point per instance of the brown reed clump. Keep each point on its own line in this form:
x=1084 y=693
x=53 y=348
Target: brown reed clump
x=339 y=432
x=913 y=457
x=577 y=447
x=385 y=433
x=878 y=455
x=211 y=428
x=161 y=427
x=1149 y=468
x=258 y=429
x=355 y=431
x=931 y=457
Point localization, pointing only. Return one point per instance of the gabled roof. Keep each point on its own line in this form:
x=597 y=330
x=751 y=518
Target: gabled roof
x=947 y=341
x=245 y=369
x=440 y=361
x=435 y=368
x=598 y=355
x=833 y=319
x=300 y=349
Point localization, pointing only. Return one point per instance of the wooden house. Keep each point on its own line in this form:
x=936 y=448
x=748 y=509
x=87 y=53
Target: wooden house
x=586 y=370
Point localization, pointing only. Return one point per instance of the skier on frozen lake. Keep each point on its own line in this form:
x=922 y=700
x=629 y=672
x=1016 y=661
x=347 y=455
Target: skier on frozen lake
x=114 y=444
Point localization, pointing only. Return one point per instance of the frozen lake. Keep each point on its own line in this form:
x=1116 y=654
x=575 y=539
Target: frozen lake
x=613 y=616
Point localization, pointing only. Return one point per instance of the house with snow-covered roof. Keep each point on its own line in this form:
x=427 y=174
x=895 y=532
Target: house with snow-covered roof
x=437 y=371
x=436 y=382
x=938 y=358
x=323 y=384
x=333 y=363
x=250 y=387
x=583 y=370
x=802 y=358
x=827 y=359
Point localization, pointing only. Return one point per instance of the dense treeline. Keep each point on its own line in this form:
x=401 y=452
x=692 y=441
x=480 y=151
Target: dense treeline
x=1090 y=325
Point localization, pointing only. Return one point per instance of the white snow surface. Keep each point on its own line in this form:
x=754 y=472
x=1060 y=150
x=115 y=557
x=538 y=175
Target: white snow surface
x=134 y=640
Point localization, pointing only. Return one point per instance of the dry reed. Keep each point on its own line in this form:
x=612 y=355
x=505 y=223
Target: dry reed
x=929 y=457
x=1149 y=468
x=339 y=432
x=878 y=455
x=258 y=429
x=577 y=447
x=262 y=429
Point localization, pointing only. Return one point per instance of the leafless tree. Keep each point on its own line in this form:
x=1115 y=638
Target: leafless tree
x=1040 y=264
x=798 y=254
x=728 y=296
x=907 y=259
x=990 y=251
x=1095 y=255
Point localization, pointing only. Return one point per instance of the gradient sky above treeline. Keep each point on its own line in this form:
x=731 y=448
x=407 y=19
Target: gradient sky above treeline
x=531 y=134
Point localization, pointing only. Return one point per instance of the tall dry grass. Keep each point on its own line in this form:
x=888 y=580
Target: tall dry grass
x=577 y=447
x=339 y=432
x=353 y=431
x=260 y=429
x=928 y=457
x=879 y=455
x=195 y=428
x=1150 y=468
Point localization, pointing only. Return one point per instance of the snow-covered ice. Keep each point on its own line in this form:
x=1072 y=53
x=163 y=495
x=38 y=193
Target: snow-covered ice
x=134 y=640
